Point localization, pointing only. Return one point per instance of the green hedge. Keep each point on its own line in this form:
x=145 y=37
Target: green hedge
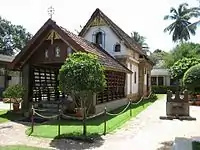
x=163 y=89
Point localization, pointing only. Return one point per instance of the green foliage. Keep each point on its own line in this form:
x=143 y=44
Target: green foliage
x=191 y=79
x=140 y=40
x=181 y=28
x=163 y=89
x=82 y=72
x=15 y=92
x=157 y=58
x=181 y=66
x=183 y=50
x=12 y=37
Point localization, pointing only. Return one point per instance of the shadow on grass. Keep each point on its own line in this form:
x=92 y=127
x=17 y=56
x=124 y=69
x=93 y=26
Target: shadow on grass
x=10 y=115
x=77 y=141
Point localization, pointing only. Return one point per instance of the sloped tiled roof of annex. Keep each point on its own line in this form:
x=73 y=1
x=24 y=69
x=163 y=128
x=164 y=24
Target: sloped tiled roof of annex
x=76 y=41
x=105 y=58
x=128 y=41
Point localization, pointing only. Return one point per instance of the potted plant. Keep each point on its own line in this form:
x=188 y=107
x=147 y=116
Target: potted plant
x=14 y=94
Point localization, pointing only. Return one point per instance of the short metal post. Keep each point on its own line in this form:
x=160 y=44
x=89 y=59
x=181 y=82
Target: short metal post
x=105 y=119
x=59 y=117
x=130 y=108
x=32 y=119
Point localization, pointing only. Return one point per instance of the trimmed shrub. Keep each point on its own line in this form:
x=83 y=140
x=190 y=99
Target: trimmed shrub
x=191 y=79
x=15 y=93
x=163 y=89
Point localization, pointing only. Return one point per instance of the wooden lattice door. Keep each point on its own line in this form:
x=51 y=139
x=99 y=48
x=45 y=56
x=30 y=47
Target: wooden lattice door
x=45 y=84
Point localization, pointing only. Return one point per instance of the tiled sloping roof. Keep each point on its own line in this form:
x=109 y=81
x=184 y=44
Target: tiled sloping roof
x=106 y=59
x=128 y=41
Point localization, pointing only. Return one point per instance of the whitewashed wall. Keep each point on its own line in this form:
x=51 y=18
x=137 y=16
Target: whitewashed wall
x=135 y=85
x=110 y=39
x=14 y=81
x=128 y=84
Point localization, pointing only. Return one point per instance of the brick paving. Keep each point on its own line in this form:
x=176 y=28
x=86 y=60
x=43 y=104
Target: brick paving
x=145 y=132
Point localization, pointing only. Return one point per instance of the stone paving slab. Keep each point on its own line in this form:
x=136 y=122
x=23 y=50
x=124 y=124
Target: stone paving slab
x=5 y=106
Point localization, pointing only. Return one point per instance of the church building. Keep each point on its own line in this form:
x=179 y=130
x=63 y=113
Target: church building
x=127 y=67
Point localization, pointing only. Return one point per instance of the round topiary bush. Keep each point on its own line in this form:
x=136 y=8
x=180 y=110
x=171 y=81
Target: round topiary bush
x=191 y=79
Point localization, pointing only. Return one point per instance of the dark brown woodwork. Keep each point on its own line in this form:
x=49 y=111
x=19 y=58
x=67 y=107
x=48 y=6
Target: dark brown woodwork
x=39 y=56
x=115 y=87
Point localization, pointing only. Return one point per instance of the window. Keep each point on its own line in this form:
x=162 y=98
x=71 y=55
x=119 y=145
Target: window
x=160 y=81
x=99 y=38
x=57 y=51
x=46 y=53
x=135 y=77
x=117 y=48
x=153 y=80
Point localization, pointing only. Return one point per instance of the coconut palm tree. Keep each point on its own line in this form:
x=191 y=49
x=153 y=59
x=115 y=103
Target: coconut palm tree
x=181 y=28
x=140 y=40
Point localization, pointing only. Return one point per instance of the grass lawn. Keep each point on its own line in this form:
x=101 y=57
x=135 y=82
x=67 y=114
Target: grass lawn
x=6 y=115
x=94 y=126
x=20 y=147
x=195 y=145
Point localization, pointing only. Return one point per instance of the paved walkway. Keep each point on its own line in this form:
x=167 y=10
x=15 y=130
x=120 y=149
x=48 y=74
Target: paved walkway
x=5 y=106
x=145 y=132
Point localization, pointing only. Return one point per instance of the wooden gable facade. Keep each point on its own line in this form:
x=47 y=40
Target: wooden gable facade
x=43 y=56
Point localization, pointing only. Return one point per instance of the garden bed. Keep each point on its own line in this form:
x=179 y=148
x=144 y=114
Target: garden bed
x=94 y=126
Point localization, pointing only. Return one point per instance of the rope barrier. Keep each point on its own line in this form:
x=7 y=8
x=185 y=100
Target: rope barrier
x=41 y=109
x=142 y=98
x=90 y=117
x=71 y=117
x=46 y=117
x=119 y=112
x=80 y=118
x=93 y=116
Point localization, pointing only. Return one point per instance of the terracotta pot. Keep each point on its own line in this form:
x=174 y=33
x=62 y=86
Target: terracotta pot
x=78 y=112
x=16 y=107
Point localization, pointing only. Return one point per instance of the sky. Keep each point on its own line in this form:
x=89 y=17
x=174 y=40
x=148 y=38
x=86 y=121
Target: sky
x=143 y=16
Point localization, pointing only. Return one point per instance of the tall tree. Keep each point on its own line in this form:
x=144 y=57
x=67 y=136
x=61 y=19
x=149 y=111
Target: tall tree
x=157 y=58
x=140 y=40
x=181 y=28
x=183 y=50
x=12 y=37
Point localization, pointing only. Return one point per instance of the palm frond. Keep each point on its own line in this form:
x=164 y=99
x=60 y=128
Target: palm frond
x=169 y=17
x=173 y=10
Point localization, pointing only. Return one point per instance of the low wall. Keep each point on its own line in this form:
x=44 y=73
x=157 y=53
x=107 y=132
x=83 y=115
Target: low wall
x=111 y=105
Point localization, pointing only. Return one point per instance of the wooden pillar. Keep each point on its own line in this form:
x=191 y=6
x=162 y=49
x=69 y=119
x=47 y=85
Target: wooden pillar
x=26 y=84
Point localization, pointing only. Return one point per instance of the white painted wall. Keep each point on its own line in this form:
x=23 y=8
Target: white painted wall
x=145 y=79
x=135 y=85
x=110 y=39
x=112 y=105
x=14 y=81
x=128 y=84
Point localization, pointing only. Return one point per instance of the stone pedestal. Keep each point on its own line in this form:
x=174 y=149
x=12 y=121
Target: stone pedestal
x=177 y=107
